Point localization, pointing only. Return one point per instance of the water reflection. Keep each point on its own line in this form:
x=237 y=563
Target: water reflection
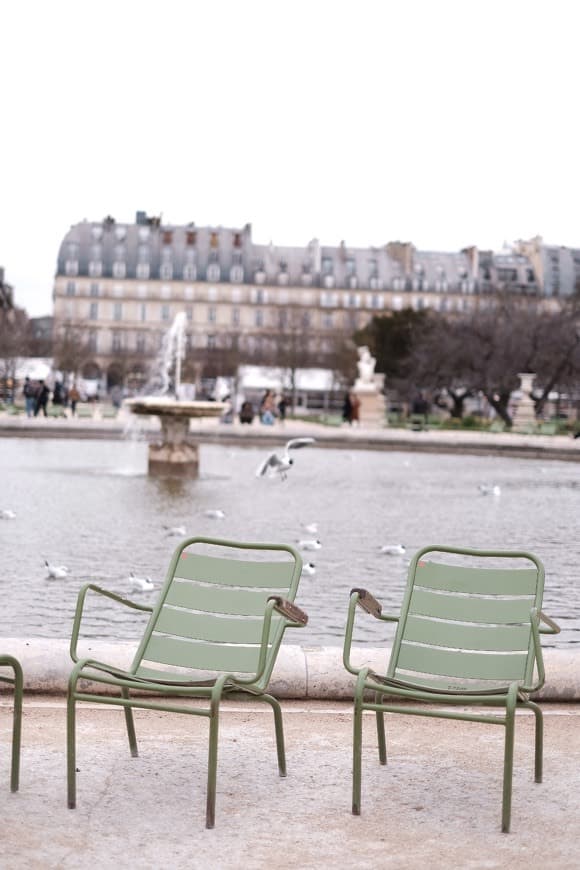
x=90 y=505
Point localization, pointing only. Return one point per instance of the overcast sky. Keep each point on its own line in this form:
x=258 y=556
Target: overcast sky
x=440 y=122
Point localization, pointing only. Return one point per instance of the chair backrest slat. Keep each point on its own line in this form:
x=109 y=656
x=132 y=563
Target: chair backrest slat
x=207 y=626
x=202 y=656
x=234 y=572
x=468 y=620
x=213 y=599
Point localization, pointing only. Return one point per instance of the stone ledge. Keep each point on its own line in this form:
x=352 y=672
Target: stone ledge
x=314 y=673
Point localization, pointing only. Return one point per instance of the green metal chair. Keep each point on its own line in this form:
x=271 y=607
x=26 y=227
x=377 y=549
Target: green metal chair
x=215 y=630
x=17 y=681
x=468 y=634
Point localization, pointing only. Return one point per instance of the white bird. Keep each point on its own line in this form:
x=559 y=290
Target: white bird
x=57 y=572
x=489 y=489
x=311 y=528
x=141 y=584
x=309 y=568
x=175 y=530
x=7 y=514
x=280 y=463
x=393 y=549
x=310 y=545
x=216 y=514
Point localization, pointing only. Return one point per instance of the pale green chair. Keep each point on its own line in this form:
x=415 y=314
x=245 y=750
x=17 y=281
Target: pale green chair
x=468 y=635
x=16 y=680
x=215 y=630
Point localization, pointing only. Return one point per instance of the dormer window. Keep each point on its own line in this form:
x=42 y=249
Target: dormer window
x=190 y=237
x=167 y=237
x=237 y=240
x=213 y=272
x=213 y=240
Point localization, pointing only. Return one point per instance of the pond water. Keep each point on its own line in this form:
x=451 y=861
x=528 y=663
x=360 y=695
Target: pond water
x=90 y=505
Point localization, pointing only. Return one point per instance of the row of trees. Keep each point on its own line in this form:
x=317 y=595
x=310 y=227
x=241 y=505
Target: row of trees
x=480 y=353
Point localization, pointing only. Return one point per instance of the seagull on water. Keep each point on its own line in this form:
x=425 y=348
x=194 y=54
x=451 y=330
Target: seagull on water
x=56 y=572
x=311 y=528
x=280 y=463
x=215 y=514
x=308 y=569
x=175 y=530
x=310 y=545
x=141 y=584
x=393 y=549
x=489 y=489
x=7 y=514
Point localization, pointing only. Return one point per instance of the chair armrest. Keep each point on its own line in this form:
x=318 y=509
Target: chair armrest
x=291 y=611
x=552 y=628
x=368 y=602
x=80 y=608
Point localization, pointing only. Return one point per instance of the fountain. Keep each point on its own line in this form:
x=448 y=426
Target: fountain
x=178 y=452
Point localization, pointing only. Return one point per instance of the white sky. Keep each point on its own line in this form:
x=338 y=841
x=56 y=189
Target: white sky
x=442 y=122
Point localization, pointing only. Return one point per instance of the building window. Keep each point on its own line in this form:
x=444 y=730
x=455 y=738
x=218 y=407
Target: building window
x=326 y=265
x=306 y=319
x=117 y=340
x=93 y=343
x=236 y=294
x=189 y=313
x=117 y=290
x=212 y=293
x=94 y=311
x=95 y=268
x=165 y=313
x=140 y=342
x=118 y=311
x=211 y=314
x=282 y=318
x=235 y=316
x=70 y=288
x=142 y=291
x=211 y=342
x=236 y=274
x=188 y=293
x=143 y=312
x=143 y=270
x=189 y=272
x=166 y=271
x=190 y=237
x=119 y=269
x=167 y=237
x=259 y=318
x=71 y=267
x=94 y=289
x=165 y=291
x=213 y=272
x=327 y=320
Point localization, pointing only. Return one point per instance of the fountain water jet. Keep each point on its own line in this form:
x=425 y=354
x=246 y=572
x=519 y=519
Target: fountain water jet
x=178 y=452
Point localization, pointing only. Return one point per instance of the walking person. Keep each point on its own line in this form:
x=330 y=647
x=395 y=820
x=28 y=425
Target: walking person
x=41 y=399
x=347 y=409
x=74 y=397
x=29 y=393
x=355 y=409
x=282 y=406
x=267 y=409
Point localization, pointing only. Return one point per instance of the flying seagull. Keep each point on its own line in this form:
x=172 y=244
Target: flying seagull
x=280 y=463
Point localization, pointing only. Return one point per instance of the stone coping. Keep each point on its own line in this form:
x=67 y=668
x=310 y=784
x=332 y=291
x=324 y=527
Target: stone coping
x=308 y=673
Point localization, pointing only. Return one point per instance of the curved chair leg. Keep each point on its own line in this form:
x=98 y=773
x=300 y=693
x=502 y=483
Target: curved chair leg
x=380 y=717
x=357 y=745
x=130 y=725
x=16 y=725
x=71 y=744
x=279 y=726
x=508 y=763
x=539 y=741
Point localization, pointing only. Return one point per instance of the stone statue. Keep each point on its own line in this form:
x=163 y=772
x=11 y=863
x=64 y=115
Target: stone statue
x=366 y=366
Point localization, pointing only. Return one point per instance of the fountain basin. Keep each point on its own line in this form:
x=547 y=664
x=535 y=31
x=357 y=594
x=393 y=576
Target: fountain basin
x=178 y=451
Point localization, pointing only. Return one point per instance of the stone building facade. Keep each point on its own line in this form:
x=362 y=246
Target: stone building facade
x=123 y=283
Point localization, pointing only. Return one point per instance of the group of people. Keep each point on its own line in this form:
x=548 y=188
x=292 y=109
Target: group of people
x=36 y=396
x=271 y=408
x=351 y=408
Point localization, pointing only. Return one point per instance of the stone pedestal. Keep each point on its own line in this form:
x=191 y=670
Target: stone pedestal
x=524 y=415
x=177 y=454
x=372 y=401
